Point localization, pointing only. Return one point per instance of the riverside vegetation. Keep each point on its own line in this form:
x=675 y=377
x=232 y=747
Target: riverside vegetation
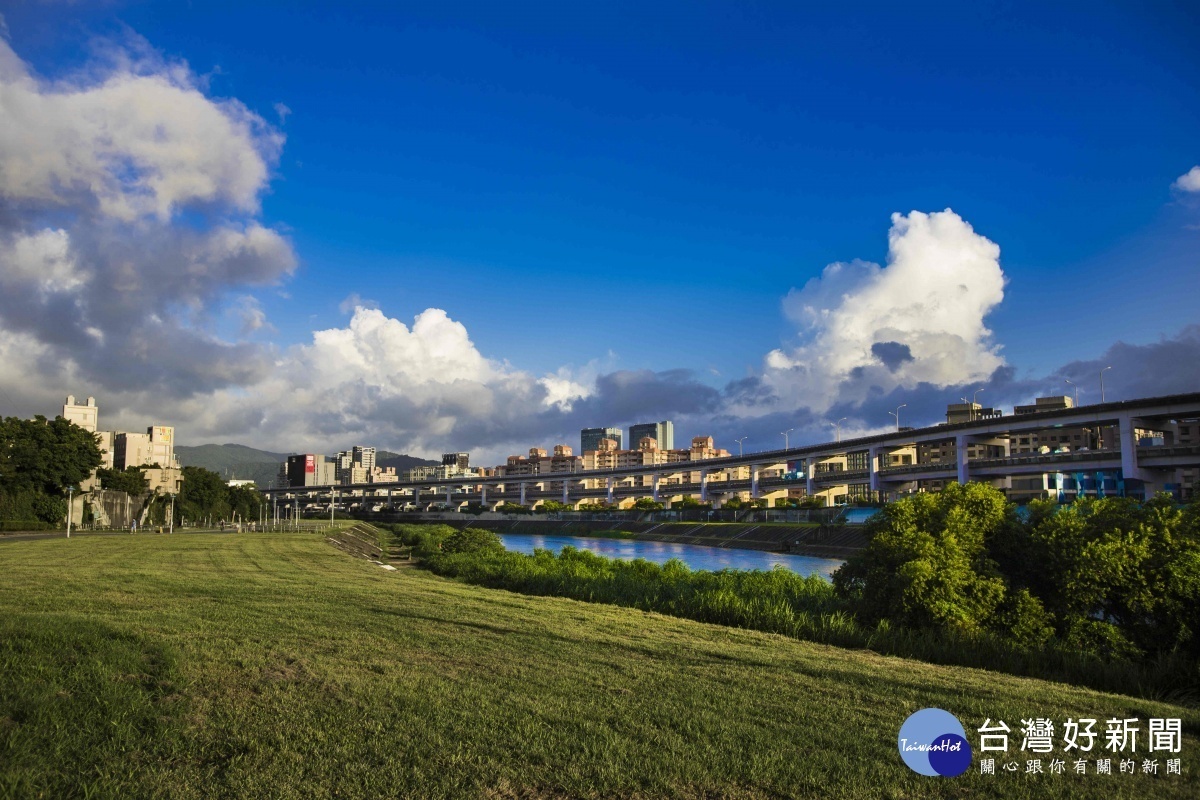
x=1104 y=593
x=274 y=666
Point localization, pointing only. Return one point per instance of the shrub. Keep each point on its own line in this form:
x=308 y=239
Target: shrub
x=471 y=540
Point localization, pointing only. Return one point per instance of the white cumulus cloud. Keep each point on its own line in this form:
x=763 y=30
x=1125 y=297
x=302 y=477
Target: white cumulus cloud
x=868 y=328
x=1189 y=181
x=96 y=263
x=132 y=145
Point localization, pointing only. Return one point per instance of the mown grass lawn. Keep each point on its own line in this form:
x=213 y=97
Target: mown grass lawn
x=274 y=666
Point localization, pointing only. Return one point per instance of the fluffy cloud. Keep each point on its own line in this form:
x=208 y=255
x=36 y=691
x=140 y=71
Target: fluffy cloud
x=867 y=329
x=425 y=385
x=1189 y=181
x=97 y=266
x=144 y=141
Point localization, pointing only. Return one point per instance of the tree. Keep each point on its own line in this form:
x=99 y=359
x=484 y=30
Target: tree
x=245 y=501
x=45 y=456
x=648 y=504
x=131 y=480
x=204 y=494
x=687 y=501
x=1117 y=576
x=926 y=565
x=554 y=505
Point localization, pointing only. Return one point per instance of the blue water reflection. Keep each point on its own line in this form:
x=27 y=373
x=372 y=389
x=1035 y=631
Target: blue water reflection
x=695 y=556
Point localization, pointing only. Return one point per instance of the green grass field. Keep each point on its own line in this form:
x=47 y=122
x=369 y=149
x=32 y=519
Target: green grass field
x=274 y=666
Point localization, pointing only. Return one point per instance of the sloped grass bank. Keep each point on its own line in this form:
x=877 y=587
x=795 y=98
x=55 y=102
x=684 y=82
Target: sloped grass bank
x=780 y=601
x=258 y=665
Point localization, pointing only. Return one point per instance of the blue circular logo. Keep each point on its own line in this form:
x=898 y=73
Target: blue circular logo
x=933 y=742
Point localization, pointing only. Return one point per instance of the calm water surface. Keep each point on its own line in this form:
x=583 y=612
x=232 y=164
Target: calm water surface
x=695 y=556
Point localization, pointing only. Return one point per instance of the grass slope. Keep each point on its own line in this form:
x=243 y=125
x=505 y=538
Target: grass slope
x=276 y=666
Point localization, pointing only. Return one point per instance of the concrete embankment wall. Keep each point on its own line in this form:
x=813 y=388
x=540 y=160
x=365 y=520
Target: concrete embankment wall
x=116 y=509
x=825 y=541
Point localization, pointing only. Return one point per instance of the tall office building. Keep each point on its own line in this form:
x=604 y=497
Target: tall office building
x=589 y=438
x=309 y=469
x=661 y=432
x=364 y=457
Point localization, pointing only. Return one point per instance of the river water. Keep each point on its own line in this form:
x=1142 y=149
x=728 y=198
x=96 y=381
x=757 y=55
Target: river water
x=695 y=556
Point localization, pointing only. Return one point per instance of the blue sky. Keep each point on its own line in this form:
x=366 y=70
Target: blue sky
x=638 y=188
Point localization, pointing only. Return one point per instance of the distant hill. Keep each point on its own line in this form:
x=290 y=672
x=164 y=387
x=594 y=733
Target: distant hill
x=262 y=466
x=384 y=458
x=234 y=461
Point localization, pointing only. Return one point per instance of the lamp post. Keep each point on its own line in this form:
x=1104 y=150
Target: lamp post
x=1106 y=369
x=837 y=426
x=70 y=496
x=739 y=441
x=171 y=519
x=1076 y=389
x=973 y=403
x=896 y=414
x=784 y=434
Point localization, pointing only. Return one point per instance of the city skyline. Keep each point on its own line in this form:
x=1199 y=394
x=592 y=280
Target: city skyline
x=492 y=231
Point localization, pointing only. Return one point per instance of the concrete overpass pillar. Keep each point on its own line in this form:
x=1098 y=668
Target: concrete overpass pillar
x=754 y=481
x=1129 y=465
x=703 y=486
x=483 y=500
x=608 y=484
x=448 y=500
x=522 y=492
x=809 y=473
x=873 y=465
x=566 y=496
x=960 y=452
x=654 y=486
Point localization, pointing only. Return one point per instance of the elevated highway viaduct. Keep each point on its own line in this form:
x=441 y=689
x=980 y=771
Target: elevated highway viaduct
x=881 y=466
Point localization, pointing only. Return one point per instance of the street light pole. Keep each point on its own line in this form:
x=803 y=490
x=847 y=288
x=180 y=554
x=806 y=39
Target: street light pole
x=973 y=403
x=739 y=441
x=784 y=434
x=1076 y=389
x=896 y=414
x=171 y=520
x=70 y=496
x=1106 y=369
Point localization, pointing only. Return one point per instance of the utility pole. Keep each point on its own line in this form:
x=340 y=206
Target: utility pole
x=70 y=496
